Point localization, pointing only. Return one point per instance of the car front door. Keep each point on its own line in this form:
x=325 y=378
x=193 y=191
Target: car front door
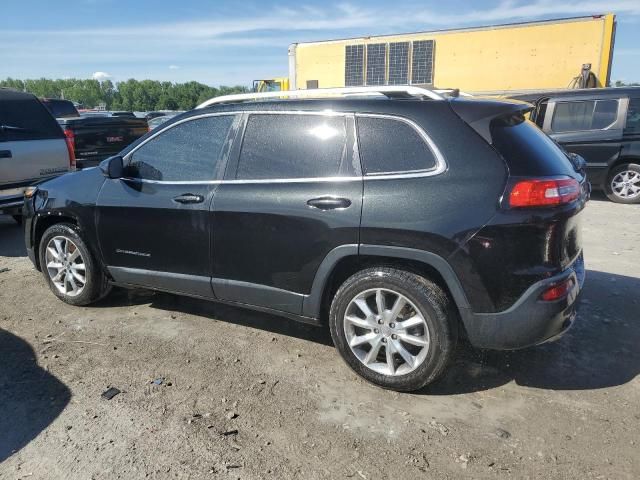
x=294 y=196
x=154 y=224
x=590 y=127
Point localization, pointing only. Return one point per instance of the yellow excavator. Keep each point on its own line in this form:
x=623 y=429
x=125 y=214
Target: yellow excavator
x=277 y=84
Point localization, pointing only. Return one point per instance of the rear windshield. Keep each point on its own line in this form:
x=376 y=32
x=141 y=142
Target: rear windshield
x=61 y=108
x=25 y=118
x=528 y=151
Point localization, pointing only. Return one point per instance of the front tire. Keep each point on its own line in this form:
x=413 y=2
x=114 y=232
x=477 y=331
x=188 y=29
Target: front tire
x=394 y=328
x=623 y=184
x=72 y=273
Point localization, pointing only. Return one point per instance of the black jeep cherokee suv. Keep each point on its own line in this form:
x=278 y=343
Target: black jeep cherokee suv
x=403 y=223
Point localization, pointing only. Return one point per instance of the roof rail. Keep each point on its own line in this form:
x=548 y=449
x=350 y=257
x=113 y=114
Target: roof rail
x=386 y=90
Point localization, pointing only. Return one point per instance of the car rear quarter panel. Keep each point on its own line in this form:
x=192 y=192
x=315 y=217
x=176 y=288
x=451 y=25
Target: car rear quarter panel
x=438 y=213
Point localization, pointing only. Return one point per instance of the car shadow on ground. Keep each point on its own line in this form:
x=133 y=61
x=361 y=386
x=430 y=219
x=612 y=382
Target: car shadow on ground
x=601 y=350
x=218 y=311
x=599 y=196
x=11 y=238
x=30 y=397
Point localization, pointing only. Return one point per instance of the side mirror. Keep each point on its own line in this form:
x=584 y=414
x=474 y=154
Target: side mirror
x=112 y=167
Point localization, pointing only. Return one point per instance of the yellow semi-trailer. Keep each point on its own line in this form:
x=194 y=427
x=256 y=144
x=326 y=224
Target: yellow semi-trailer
x=549 y=54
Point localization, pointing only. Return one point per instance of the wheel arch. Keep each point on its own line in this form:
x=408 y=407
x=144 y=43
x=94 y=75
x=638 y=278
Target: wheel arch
x=621 y=160
x=42 y=223
x=344 y=261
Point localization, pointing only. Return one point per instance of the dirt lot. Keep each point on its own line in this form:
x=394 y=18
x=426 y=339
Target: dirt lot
x=248 y=395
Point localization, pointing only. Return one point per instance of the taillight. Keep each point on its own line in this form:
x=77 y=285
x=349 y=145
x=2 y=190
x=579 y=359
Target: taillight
x=544 y=192
x=558 y=291
x=70 y=138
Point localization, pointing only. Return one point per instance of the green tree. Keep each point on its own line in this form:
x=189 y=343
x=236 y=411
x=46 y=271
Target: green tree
x=134 y=95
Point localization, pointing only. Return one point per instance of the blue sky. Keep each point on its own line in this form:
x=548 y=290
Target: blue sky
x=233 y=42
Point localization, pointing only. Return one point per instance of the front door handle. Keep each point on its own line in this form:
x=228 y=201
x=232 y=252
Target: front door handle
x=189 y=198
x=5 y=154
x=329 y=203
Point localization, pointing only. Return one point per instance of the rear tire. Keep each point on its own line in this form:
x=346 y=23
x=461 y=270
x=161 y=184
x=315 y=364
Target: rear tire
x=417 y=318
x=18 y=219
x=71 y=271
x=623 y=184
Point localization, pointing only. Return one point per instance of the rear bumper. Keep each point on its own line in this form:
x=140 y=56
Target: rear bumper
x=529 y=321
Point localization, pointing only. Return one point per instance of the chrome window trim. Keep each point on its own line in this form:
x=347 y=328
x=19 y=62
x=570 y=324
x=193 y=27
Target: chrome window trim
x=127 y=157
x=440 y=166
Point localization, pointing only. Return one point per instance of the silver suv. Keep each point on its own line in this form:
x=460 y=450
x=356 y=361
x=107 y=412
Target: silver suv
x=32 y=148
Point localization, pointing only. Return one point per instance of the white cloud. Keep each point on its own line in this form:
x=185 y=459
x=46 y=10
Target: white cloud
x=263 y=37
x=100 y=76
x=347 y=16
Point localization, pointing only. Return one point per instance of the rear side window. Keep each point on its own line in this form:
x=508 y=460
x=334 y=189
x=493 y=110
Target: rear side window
x=61 y=108
x=293 y=146
x=584 y=115
x=189 y=151
x=633 y=117
x=528 y=151
x=391 y=146
x=26 y=118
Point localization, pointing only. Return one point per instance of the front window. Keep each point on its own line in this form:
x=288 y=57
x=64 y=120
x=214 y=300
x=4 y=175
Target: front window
x=189 y=151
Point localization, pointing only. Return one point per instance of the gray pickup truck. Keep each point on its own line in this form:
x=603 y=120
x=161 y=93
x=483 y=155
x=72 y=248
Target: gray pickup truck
x=33 y=148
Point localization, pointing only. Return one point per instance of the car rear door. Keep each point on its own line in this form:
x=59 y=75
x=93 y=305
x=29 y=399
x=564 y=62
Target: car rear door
x=32 y=145
x=294 y=196
x=154 y=223
x=591 y=127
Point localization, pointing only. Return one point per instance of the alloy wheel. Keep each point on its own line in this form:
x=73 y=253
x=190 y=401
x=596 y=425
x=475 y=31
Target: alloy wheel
x=626 y=184
x=386 y=332
x=65 y=266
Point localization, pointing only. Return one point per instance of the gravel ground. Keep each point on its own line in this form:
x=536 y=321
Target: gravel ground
x=239 y=394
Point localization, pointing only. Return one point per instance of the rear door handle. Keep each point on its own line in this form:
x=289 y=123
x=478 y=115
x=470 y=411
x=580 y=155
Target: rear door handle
x=5 y=154
x=189 y=198
x=329 y=203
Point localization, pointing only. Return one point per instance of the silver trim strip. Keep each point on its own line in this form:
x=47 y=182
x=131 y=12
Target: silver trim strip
x=12 y=204
x=441 y=165
x=184 y=120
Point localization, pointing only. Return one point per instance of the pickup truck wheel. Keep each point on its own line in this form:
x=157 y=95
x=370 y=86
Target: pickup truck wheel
x=395 y=328
x=623 y=184
x=70 y=269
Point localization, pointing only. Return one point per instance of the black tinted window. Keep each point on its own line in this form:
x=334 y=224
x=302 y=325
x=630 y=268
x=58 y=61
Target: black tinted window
x=293 y=146
x=61 y=108
x=528 y=151
x=26 y=119
x=633 y=117
x=388 y=145
x=190 y=151
x=584 y=115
